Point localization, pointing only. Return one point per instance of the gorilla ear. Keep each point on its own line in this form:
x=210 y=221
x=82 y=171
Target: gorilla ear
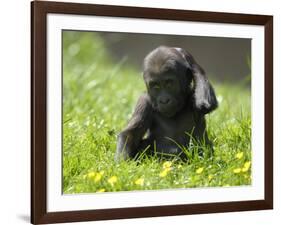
x=204 y=97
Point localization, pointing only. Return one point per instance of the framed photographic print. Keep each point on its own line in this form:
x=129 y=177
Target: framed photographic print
x=142 y=112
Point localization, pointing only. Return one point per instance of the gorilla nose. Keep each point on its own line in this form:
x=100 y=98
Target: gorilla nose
x=164 y=101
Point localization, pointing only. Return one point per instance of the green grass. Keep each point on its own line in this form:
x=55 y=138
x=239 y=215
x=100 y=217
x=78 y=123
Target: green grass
x=98 y=99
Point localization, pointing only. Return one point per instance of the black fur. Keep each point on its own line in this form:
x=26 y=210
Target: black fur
x=178 y=96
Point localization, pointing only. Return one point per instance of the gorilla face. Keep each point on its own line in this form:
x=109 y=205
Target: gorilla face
x=168 y=80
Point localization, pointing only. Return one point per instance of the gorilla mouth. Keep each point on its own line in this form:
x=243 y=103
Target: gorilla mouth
x=168 y=111
x=171 y=110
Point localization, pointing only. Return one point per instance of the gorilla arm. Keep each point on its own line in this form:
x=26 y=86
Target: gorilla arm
x=128 y=140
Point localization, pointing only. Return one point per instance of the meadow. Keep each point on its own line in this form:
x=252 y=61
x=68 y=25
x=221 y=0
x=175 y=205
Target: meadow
x=99 y=96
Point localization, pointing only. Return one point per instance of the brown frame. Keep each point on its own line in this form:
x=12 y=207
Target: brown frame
x=39 y=11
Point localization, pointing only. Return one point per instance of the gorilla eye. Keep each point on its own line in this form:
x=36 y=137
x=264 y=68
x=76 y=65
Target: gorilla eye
x=154 y=85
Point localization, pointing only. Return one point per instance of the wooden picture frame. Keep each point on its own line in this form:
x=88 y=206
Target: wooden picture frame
x=39 y=12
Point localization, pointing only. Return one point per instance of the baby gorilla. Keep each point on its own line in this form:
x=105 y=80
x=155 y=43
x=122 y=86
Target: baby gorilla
x=178 y=96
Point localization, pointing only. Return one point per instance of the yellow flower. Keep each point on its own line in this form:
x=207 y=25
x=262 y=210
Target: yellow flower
x=199 y=170
x=112 y=180
x=246 y=166
x=98 y=176
x=101 y=190
x=237 y=170
x=167 y=164
x=164 y=172
x=239 y=155
x=210 y=177
x=139 y=181
x=168 y=169
x=91 y=175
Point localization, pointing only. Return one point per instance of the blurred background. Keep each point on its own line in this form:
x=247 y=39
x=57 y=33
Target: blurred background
x=225 y=59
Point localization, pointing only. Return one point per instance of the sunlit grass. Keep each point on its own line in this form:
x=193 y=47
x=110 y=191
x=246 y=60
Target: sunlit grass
x=98 y=99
